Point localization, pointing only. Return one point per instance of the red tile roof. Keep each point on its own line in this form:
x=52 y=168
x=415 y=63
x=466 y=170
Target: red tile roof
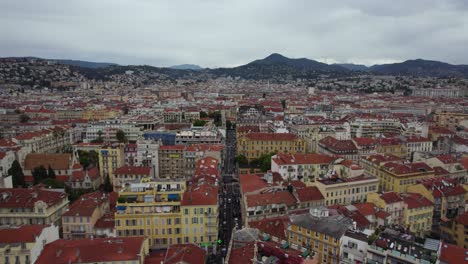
x=251 y=182
x=415 y=200
x=283 y=159
x=462 y=219
x=382 y=214
x=390 y=197
x=92 y=250
x=367 y=142
x=243 y=254
x=184 y=253
x=379 y=158
x=205 y=147
x=310 y=193
x=400 y=169
x=205 y=196
x=453 y=254
x=22 y=234
x=175 y=147
x=262 y=199
x=26 y=198
x=133 y=170
x=86 y=204
x=365 y=208
x=447 y=159
x=271 y=136
x=464 y=163
x=107 y=221
x=55 y=161
x=443 y=187
x=272 y=226
x=415 y=139
x=338 y=145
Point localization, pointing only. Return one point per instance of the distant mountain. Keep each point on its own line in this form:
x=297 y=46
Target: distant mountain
x=187 y=67
x=422 y=68
x=85 y=64
x=277 y=66
x=353 y=67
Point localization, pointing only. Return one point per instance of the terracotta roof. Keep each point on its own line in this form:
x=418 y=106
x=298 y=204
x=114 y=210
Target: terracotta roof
x=243 y=254
x=55 y=161
x=447 y=159
x=415 y=200
x=22 y=234
x=26 y=198
x=251 y=182
x=205 y=147
x=185 y=253
x=107 y=221
x=272 y=226
x=367 y=142
x=379 y=158
x=86 y=204
x=262 y=199
x=445 y=187
x=133 y=170
x=453 y=254
x=205 y=196
x=464 y=163
x=175 y=147
x=92 y=250
x=401 y=169
x=310 y=193
x=248 y=129
x=390 y=197
x=382 y=214
x=271 y=136
x=283 y=159
x=365 y=208
x=414 y=139
x=462 y=219
x=338 y=145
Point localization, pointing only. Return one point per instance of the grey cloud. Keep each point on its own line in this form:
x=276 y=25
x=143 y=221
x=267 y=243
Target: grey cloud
x=228 y=33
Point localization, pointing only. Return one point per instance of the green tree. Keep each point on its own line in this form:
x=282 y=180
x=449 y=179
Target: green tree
x=199 y=122
x=50 y=173
x=17 y=175
x=125 y=110
x=24 y=118
x=242 y=160
x=120 y=135
x=283 y=103
x=53 y=183
x=39 y=174
x=203 y=114
x=99 y=139
x=108 y=185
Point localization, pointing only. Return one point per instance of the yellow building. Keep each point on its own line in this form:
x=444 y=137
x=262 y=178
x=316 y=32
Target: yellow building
x=457 y=230
x=32 y=206
x=166 y=213
x=450 y=120
x=111 y=157
x=397 y=177
x=417 y=215
x=254 y=145
x=319 y=232
x=347 y=191
x=24 y=244
x=100 y=113
x=390 y=202
x=392 y=146
x=446 y=194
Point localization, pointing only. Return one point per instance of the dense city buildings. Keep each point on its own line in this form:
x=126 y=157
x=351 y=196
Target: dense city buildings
x=149 y=166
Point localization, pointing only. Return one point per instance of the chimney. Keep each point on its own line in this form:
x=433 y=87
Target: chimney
x=354 y=225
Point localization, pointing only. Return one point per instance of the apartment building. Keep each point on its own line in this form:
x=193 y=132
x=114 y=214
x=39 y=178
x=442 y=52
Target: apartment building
x=347 y=191
x=456 y=231
x=374 y=127
x=32 y=206
x=254 y=145
x=129 y=174
x=450 y=120
x=417 y=213
x=171 y=162
x=303 y=167
x=319 y=232
x=340 y=148
x=79 y=221
x=389 y=202
x=24 y=244
x=111 y=157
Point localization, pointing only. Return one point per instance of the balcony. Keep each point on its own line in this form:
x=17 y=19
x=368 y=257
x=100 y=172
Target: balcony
x=211 y=224
x=78 y=232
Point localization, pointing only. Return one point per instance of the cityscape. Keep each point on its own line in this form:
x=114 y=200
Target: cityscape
x=276 y=159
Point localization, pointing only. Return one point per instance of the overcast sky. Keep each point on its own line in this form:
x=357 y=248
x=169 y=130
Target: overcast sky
x=221 y=33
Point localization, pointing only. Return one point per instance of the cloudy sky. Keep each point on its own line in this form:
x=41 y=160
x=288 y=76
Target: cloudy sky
x=222 y=33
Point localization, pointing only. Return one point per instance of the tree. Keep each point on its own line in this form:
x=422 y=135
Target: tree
x=39 y=174
x=242 y=160
x=108 y=188
x=125 y=110
x=50 y=173
x=53 y=183
x=17 y=175
x=199 y=122
x=120 y=135
x=203 y=114
x=24 y=118
x=99 y=139
x=283 y=103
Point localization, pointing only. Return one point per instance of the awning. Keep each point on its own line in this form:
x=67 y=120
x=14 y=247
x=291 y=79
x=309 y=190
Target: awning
x=285 y=245
x=266 y=237
x=305 y=253
x=173 y=196
x=121 y=207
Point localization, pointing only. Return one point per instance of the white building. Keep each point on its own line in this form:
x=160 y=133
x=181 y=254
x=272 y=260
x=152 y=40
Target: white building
x=147 y=155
